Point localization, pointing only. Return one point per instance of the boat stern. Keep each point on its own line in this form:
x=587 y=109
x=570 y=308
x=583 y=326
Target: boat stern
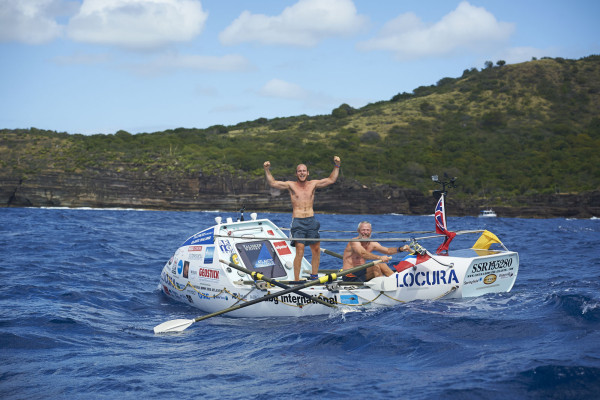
x=490 y=272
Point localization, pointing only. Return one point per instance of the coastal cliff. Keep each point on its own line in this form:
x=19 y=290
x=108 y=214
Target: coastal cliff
x=227 y=192
x=172 y=191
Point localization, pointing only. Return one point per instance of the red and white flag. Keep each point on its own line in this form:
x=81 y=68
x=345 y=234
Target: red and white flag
x=440 y=225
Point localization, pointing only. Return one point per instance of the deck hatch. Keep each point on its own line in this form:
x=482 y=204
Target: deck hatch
x=260 y=256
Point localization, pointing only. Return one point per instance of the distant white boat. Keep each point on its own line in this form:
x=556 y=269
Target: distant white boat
x=489 y=213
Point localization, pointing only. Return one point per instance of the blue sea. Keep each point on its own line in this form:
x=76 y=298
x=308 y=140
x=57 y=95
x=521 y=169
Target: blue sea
x=80 y=298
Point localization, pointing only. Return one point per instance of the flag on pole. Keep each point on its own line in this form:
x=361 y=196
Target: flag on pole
x=440 y=225
x=486 y=239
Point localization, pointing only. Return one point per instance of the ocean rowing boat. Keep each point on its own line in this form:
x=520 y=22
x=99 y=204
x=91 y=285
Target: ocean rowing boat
x=245 y=268
x=203 y=274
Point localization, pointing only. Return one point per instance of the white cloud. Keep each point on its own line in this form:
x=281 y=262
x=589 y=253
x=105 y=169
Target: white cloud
x=229 y=62
x=229 y=109
x=307 y=99
x=31 y=21
x=206 y=91
x=174 y=61
x=304 y=24
x=82 y=59
x=521 y=54
x=139 y=24
x=467 y=27
x=284 y=90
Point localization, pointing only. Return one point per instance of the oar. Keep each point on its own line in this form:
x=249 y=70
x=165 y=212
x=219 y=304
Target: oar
x=331 y=253
x=179 y=325
x=260 y=276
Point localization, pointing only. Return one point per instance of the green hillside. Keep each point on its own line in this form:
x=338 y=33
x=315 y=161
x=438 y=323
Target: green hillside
x=504 y=130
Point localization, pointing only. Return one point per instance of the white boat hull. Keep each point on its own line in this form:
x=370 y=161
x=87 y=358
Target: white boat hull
x=196 y=276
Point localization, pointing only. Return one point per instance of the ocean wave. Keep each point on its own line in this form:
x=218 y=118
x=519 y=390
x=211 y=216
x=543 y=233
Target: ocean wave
x=576 y=306
x=26 y=341
x=561 y=382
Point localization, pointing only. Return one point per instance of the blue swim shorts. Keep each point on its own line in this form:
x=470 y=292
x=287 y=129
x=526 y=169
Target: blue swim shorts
x=360 y=276
x=305 y=228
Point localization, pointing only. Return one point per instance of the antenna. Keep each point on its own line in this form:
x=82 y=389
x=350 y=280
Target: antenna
x=451 y=183
x=242 y=212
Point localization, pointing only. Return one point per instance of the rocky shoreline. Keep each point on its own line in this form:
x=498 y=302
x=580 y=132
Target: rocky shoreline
x=170 y=191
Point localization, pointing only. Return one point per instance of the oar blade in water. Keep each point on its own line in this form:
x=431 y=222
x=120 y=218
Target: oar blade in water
x=176 y=325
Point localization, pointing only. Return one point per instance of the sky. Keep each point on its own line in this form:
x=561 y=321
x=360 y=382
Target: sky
x=100 y=66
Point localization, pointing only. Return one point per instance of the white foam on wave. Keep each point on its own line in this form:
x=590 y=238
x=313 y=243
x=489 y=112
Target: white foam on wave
x=589 y=307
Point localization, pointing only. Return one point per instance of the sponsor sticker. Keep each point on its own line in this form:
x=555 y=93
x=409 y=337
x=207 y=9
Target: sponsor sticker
x=209 y=255
x=349 y=299
x=208 y=273
x=225 y=246
x=426 y=278
x=252 y=246
x=488 y=280
x=204 y=237
x=282 y=248
x=186 y=269
x=264 y=259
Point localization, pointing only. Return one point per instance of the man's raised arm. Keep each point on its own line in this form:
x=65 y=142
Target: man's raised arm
x=334 y=174
x=270 y=180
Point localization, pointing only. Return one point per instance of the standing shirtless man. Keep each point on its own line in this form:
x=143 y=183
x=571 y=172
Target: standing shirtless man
x=356 y=253
x=304 y=223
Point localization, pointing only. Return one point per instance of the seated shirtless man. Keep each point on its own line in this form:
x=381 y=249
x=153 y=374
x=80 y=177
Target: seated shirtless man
x=356 y=253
